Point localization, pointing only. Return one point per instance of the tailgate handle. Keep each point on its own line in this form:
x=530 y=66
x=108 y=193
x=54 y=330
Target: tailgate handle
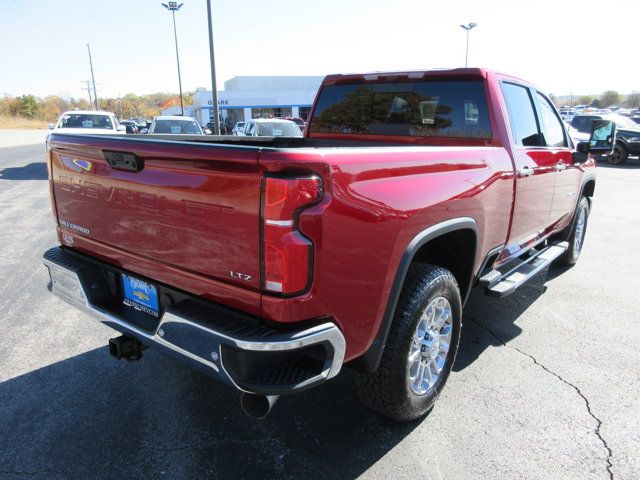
x=124 y=161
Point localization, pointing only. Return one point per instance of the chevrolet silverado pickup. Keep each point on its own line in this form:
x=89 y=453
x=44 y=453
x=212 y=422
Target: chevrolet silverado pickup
x=270 y=263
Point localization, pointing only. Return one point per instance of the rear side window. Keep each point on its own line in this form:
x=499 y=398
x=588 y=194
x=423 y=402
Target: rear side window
x=522 y=116
x=177 y=126
x=423 y=109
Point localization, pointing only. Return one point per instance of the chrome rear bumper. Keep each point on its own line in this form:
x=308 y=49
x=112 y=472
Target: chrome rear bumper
x=244 y=354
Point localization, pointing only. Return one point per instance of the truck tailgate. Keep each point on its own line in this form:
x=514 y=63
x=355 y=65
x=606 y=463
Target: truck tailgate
x=192 y=207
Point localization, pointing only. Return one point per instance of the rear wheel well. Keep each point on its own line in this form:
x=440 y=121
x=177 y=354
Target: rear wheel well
x=454 y=251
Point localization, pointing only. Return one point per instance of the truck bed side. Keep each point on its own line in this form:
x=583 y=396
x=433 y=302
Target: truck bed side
x=376 y=201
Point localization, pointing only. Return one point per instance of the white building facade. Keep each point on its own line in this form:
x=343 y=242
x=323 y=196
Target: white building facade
x=244 y=98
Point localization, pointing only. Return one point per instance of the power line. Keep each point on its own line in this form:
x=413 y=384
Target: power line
x=42 y=30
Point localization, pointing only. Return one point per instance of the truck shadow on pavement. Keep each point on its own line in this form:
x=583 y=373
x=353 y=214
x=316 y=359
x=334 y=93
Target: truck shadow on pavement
x=90 y=416
x=32 y=171
x=489 y=321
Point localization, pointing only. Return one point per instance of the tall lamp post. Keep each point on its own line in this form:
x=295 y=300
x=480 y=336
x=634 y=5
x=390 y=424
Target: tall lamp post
x=173 y=7
x=468 y=28
x=214 y=89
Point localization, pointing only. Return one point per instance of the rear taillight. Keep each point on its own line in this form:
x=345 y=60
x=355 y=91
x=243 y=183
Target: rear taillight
x=287 y=254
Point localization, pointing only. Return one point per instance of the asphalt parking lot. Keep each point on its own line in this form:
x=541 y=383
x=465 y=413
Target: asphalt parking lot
x=546 y=385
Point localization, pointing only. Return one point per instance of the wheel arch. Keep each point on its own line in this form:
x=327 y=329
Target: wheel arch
x=452 y=234
x=588 y=188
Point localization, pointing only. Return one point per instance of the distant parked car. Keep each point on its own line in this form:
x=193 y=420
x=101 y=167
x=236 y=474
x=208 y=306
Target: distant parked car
x=139 y=120
x=271 y=127
x=238 y=129
x=576 y=136
x=130 y=126
x=224 y=130
x=298 y=121
x=88 y=121
x=176 y=125
x=627 y=135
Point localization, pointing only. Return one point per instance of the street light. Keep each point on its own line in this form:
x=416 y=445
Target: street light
x=173 y=7
x=468 y=29
x=214 y=88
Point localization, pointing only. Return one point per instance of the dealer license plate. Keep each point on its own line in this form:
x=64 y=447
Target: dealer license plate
x=140 y=295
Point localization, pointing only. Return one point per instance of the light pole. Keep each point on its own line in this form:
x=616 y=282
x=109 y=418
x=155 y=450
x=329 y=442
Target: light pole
x=173 y=7
x=468 y=28
x=214 y=90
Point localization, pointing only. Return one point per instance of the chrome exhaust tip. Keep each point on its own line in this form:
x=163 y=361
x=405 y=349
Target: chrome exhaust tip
x=257 y=406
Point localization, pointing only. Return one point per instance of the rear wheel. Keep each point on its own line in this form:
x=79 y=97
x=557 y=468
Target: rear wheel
x=421 y=346
x=619 y=154
x=578 y=231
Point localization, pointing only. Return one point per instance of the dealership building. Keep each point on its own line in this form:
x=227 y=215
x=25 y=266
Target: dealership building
x=244 y=98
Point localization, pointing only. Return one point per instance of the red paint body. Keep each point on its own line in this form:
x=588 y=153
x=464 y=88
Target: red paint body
x=192 y=217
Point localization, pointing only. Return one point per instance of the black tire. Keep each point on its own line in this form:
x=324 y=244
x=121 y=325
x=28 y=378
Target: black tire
x=388 y=390
x=619 y=154
x=576 y=238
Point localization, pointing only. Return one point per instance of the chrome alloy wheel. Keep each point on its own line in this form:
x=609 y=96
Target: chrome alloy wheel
x=581 y=223
x=430 y=345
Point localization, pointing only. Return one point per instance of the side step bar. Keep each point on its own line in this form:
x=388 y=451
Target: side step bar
x=501 y=285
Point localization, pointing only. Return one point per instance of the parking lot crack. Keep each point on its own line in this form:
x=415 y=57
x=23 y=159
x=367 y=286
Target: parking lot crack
x=569 y=384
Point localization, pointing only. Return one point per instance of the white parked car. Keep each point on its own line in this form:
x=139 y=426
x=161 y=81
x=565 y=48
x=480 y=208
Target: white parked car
x=175 y=124
x=238 y=129
x=88 y=121
x=576 y=135
x=271 y=127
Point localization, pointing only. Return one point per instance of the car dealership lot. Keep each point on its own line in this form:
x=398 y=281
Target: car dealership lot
x=545 y=386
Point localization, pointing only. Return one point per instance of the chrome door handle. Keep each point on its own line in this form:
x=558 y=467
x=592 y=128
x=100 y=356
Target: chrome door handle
x=560 y=166
x=525 y=172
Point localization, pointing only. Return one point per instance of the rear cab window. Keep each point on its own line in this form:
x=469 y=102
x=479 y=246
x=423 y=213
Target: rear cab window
x=436 y=109
x=84 y=120
x=522 y=116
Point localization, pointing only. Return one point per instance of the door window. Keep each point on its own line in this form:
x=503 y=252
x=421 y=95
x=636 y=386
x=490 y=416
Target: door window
x=521 y=115
x=551 y=125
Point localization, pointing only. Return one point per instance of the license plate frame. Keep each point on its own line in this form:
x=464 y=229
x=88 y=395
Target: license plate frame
x=140 y=295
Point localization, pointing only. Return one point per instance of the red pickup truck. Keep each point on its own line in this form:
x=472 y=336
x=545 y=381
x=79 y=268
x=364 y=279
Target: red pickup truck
x=270 y=263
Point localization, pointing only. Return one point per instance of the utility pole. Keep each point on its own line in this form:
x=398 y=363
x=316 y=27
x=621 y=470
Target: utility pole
x=88 y=89
x=173 y=7
x=214 y=89
x=93 y=79
x=468 y=29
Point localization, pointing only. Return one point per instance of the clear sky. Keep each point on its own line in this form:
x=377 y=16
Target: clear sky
x=564 y=46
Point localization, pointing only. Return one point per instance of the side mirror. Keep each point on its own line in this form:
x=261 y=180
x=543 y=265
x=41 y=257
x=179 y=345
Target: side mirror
x=601 y=142
x=603 y=137
x=121 y=128
x=51 y=126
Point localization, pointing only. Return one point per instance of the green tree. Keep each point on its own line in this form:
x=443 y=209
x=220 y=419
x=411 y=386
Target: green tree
x=586 y=99
x=28 y=107
x=609 y=98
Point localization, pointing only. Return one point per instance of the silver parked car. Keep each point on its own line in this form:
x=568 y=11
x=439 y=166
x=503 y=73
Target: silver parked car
x=271 y=127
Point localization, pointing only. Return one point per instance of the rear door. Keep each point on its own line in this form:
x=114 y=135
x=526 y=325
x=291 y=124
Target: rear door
x=535 y=169
x=191 y=207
